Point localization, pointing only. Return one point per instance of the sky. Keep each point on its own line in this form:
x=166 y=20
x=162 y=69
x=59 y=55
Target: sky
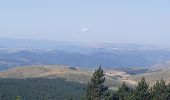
x=93 y=21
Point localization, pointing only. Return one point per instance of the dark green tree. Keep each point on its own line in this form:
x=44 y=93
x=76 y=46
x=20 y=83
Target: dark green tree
x=159 y=91
x=96 y=89
x=124 y=92
x=168 y=91
x=18 y=98
x=114 y=96
x=142 y=91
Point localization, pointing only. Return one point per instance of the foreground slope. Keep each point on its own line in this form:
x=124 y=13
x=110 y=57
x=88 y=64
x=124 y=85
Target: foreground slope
x=43 y=71
x=40 y=89
x=55 y=71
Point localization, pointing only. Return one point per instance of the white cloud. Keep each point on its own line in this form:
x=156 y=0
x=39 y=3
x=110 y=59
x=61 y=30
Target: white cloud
x=84 y=30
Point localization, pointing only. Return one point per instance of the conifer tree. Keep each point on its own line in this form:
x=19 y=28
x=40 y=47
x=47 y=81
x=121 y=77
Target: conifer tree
x=96 y=89
x=159 y=91
x=168 y=91
x=142 y=91
x=123 y=92
x=18 y=97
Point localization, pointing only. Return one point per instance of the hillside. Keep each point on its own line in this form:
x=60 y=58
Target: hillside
x=56 y=71
x=162 y=66
x=44 y=71
x=114 y=76
x=40 y=89
x=152 y=76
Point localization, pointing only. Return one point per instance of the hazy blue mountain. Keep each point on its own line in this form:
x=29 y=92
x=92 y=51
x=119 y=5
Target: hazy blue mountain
x=15 y=52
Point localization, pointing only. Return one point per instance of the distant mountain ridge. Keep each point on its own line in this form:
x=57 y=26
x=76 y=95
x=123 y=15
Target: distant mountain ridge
x=18 y=52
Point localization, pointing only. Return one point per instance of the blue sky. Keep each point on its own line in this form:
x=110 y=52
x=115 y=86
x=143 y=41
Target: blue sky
x=101 y=21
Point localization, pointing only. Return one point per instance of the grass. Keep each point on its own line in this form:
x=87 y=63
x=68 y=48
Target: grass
x=56 y=71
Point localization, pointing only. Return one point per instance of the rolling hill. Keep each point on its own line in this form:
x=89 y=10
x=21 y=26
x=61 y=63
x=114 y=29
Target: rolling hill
x=14 y=53
x=55 y=71
x=152 y=76
x=114 y=77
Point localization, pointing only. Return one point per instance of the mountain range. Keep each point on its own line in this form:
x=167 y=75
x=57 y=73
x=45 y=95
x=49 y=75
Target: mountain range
x=20 y=52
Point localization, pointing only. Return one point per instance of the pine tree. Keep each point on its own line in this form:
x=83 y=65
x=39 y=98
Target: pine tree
x=142 y=91
x=159 y=91
x=18 y=97
x=113 y=95
x=124 y=92
x=168 y=91
x=96 y=89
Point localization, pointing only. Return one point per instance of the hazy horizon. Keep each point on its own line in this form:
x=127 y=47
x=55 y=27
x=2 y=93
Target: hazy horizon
x=135 y=22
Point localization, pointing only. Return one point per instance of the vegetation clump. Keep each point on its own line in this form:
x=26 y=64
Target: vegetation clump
x=96 y=90
x=40 y=89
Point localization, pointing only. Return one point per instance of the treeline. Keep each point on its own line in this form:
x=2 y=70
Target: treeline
x=40 y=89
x=97 y=91
x=59 y=89
x=159 y=91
